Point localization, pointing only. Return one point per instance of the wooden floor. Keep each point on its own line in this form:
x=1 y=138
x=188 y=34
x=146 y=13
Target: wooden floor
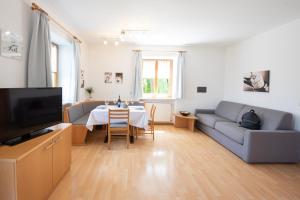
x=179 y=164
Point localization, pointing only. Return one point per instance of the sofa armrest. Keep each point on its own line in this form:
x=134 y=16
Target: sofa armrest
x=280 y=146
x=204 y=111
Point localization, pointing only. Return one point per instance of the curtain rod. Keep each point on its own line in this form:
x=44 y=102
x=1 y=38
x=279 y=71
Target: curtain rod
x=34 y=6
x=139 y=50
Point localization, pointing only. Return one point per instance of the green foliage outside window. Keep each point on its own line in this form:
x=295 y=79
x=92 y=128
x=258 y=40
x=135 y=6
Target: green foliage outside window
x=163 y=86
x=148 y=85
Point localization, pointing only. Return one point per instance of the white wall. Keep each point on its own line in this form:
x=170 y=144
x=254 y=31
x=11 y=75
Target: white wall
x=109 y=59
x=276 y=50
x=204 y=67
x=15 y=16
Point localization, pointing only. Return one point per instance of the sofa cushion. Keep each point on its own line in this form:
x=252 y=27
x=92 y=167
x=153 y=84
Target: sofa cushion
x=232 y=130
x=82 y=120
x=229 y=110
x=89 y=106
x=75 y=112
x=270 y=119
x=210 y=119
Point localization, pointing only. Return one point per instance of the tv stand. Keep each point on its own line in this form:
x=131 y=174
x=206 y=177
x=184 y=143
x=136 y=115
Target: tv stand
x=27 y=137
x=32 y=169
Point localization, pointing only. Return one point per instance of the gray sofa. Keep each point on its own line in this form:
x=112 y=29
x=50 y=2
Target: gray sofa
x=275 y=142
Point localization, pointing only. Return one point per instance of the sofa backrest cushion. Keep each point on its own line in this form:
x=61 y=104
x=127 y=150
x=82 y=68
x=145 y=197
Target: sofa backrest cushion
x=137 y=103
x=89 y=106
x=75 y=112
x=229 y=110
x=270 y=119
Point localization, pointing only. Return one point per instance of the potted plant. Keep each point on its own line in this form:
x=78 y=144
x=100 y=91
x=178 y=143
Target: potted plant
x=89 y=90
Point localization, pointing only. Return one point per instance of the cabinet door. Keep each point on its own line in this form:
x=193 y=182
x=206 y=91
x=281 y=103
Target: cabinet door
x=34 y=174
x=61 y=155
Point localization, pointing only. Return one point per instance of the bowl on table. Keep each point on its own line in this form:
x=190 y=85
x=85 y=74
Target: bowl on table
x=184 y=113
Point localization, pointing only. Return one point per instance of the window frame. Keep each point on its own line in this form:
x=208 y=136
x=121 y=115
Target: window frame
x=155 y=84
x=55 y=84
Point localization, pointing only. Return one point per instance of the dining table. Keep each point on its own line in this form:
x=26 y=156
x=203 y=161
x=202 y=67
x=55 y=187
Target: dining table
x=99 y=116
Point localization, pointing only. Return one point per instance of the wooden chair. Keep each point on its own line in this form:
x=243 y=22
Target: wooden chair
x=121 y=128
x=151 y=123
x=65 y=112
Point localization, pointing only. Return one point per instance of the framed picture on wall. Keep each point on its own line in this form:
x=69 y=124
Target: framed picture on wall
x=11 y=45
x=81 y=78
x=108 y=77
x=257 y=81
x=119 y=78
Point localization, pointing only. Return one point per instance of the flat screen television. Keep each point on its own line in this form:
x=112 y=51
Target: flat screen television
x=26 y=113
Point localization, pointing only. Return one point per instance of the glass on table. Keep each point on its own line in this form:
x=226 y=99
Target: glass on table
x=126 y=103
x=131 y=101
x=106 y=102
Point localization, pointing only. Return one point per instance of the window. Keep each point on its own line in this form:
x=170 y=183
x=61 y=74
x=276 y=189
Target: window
x=54 y=64
x=157 y=78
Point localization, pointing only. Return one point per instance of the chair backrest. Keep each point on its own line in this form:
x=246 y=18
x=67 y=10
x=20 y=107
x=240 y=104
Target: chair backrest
x=118 y=114
x=66 y=112
x=152 y=112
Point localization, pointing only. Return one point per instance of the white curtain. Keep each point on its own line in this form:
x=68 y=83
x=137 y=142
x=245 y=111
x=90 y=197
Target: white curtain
x=138 y=81
x=77 y=65
x=69 y=63
x=179 y=76
x=39 y=65
x=67 y=73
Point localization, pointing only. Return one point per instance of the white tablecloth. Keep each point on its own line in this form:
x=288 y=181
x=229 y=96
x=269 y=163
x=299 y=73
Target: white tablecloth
x=137 y=116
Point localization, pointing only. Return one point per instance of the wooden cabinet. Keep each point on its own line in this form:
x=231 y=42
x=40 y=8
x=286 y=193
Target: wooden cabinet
x=32 y=169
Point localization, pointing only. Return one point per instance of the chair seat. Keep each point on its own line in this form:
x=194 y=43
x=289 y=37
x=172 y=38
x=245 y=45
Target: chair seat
x=119 y=125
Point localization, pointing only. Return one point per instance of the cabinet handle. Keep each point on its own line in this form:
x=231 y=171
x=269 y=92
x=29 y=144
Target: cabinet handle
x=58 y=139
x=49 y=146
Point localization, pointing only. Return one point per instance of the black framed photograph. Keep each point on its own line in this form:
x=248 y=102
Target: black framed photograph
x=257 y=81
x=119 y=78
x=108 y=77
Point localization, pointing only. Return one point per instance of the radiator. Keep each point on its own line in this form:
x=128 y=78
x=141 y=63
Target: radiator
x=164 y=110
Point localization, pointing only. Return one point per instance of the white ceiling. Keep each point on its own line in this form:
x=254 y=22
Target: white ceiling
x=174 y=22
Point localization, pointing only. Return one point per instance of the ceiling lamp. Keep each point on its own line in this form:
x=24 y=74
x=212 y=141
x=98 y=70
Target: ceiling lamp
x=129 y=36
x=133 y=35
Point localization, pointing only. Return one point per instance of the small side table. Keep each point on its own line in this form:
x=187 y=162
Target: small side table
x=185 y=121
